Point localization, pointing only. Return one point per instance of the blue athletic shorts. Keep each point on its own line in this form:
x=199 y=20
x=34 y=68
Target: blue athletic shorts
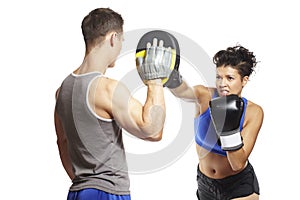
x=94 y=194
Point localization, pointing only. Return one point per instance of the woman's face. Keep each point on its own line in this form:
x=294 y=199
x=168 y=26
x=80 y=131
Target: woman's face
x=229 y=81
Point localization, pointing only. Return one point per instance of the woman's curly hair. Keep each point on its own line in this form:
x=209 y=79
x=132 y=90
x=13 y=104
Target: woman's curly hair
x=237 y=57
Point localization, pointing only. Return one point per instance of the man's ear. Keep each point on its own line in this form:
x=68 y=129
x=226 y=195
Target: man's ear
x=113 y=36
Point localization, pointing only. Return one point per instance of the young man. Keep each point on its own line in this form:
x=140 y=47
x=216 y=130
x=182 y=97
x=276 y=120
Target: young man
x=91 y=111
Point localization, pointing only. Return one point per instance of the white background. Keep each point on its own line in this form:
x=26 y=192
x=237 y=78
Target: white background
x=41 y=43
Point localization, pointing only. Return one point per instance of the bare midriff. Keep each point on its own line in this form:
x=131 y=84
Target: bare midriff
x=213 y=165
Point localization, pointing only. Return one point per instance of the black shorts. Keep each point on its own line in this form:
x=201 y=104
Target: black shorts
x=239 y=185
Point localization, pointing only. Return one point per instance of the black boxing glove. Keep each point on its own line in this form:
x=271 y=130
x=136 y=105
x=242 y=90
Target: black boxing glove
x=226 y=113
x=174 y=80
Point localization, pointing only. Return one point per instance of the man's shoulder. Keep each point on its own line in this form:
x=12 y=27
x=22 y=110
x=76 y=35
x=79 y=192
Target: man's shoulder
x=110 y=85
x=107 y=82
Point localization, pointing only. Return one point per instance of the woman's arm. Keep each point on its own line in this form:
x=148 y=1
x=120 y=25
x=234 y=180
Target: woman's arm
x=184 y=91
x=198 y=94
x=253 y=122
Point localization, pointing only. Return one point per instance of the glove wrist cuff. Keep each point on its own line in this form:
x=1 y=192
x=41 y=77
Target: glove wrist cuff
x=175 y=80
x=231 y=142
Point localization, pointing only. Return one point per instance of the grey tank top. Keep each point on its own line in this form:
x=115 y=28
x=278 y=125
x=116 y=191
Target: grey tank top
x=95 y=144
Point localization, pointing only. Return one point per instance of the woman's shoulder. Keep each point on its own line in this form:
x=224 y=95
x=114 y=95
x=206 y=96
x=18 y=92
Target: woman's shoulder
x=254 y=109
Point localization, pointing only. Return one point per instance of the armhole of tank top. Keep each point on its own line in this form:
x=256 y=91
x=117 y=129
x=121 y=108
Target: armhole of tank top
x=207 y=111
x=244 y=113
x=88 y=105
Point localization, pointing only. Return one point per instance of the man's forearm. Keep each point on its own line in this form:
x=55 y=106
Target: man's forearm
x=154 y=110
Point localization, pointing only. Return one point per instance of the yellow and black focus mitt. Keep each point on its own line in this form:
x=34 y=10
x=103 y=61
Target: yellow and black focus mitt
x=159 y=60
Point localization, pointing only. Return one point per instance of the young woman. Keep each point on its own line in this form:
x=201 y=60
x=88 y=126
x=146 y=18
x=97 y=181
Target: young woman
x=224 y=171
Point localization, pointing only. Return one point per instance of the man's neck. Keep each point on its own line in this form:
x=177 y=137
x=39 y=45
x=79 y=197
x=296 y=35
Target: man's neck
x=95 y=61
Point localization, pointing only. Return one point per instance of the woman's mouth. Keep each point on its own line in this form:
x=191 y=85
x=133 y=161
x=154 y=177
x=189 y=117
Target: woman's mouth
x=224 y=92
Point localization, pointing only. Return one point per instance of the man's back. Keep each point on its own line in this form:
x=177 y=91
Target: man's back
x=95 y=144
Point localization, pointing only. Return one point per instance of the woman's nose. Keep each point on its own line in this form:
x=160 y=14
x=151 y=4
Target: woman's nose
x=222 y=82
